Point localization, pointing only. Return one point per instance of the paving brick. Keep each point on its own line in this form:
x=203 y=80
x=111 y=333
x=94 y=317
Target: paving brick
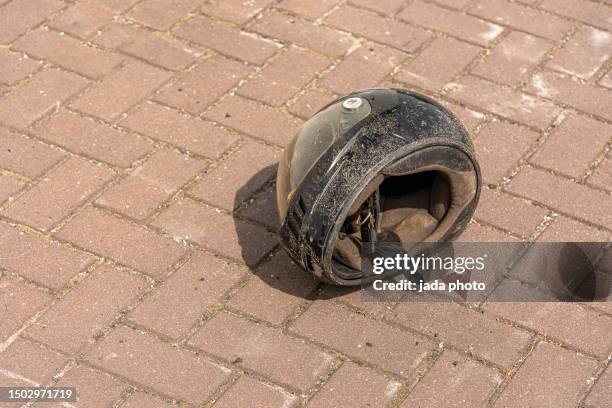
x=140 y=399
x=366 y=339
x=142 y=358
x=187 y=219
x=451 y=22
x=508 y=212
x=480 y=233
x=180 y=130
x=249 y=392
x=577 y=155
x=26 y=156
x=94 y=389
x=236 y=178
x=144 y=44
x=236 y=11
x=454 y=380
x=19 y=16
x=203 y=85
x=585 y=97
x=151 y=184
x=438 y=64
x=503 y=101
x=125 y=242
x=263 y=209
x=589 y=12
x=23 y=105
x=162 y=14
x=387 y=8
x=377 y=28
x=359 y=385
x=21 y=301
x=294 y=30
x=602 y=175
x=499 y=147
x=564 y=229
x=310 y=9
x=227 y=39
x=31 y=360
x=278 y=288
x=120 y=90
x=14 y=67
x=563 y=195
x=59 y=193
x=177 y=304
x=470 y=118
x=366 y=67
x=600 y=394
x=85 y=17
x=67 y=52
x=466 y=329
x=284 y=77
x=8 y=187
x=523 y=18
x=584 y=54
x=310 y=102
x=78 y=318
x=456 y=4
x=53 y=265
x=563 y=376
x=255 y=119
x=262 y=349
x=512 y=58
x=85 y=136
x=606 y=80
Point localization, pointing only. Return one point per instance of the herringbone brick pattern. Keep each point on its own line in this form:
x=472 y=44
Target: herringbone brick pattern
x=138 y=143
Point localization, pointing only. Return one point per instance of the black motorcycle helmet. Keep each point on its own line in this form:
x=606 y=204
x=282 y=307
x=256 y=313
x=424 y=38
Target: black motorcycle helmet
x=378 y=164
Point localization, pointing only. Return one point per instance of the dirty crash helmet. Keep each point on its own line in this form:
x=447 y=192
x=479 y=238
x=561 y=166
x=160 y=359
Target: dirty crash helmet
x=378 y=164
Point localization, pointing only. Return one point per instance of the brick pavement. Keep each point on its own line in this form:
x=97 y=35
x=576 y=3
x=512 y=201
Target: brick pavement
x=138 y=144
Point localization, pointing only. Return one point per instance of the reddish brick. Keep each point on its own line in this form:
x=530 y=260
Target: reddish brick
x=456 y=4
x=466 y=329
x=567 y=90
x=263 y=208
x=73 y=323
x=508 y=212
x=584 y=54
x=275 y=292
x=26 y=156
x=606 y=80
x=53 y=265
x=94 y=389
x=219 y=232
x=454 y=378
x=120 y=90
x=309 y=9
x=478 y=233
x=47 y=89
x=8 y=187
x=366 y=339
x=564 y=229
x=563 y=142
x=125 y=242
x=523 y=18
x=361 y=386
x=310 y=102
x=255 y=119
x=602 y=176
x=59 y=193
x=84 y=17
x=499 y=147
x=85 y=136
x=236 y=178
x=67 y=52
x=377 y=28
x=227 y=39
x=600 y=394
x=316 y=37
x=203 y=85
x=236 y=11
x=21 y=301
x=177 y=304
x=151 y=184
x=438 y=64
x=140 y=399
x=587 y=11
x=32 y=361
x=14 y=67
x=286 y=75
x=265 y=350
x=364 y=68
x=19 y=16
x=470 y=118
x=387 y=8
x=451 y=22
x=146 y=360
x=503 y=101
x=564 y=195
x=162 y=14
x=249 y=392
x=146 y=45
x=183 y=131
x=562 y=374
x=512 y=58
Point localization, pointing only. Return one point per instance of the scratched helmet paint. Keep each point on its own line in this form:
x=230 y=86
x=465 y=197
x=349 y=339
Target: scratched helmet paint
x=378 y=164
